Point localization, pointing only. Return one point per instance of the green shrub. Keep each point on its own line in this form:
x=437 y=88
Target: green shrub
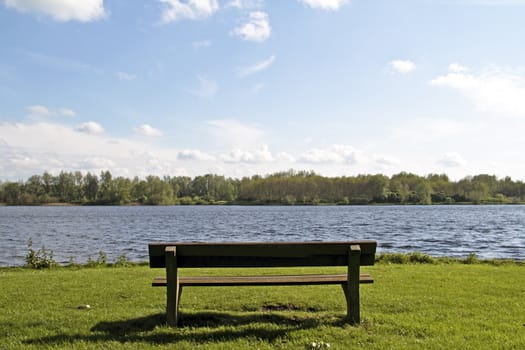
x=420 y=258
x=39 y=259
x=471 y=259
x=122 y=261
x=392 y=258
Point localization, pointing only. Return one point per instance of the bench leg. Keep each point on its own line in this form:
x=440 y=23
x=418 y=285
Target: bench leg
x=351 y=287
x=173 y=289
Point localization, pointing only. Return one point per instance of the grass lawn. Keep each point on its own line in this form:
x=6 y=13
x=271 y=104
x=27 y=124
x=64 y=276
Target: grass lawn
x=410 y=306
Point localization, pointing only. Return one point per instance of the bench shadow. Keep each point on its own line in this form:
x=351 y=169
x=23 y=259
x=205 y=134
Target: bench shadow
x=205 y=327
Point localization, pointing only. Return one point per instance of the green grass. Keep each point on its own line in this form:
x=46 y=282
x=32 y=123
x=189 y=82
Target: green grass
x=410 y=306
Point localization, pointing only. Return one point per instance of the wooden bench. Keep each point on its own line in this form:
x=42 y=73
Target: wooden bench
x=173 y=256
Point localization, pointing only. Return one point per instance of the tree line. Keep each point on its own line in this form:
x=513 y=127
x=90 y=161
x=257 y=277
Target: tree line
x=289 y=188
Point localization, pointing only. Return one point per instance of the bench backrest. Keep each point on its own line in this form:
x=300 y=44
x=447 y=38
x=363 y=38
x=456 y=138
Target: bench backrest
x=278 y=254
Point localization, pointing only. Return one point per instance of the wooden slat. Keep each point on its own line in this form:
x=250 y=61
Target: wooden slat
x=279 y=280
x=259 y=254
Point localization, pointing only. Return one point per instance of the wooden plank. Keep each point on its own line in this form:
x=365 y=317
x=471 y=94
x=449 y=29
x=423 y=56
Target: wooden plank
x=274 y=249
x=249 y=254
x=273 y=280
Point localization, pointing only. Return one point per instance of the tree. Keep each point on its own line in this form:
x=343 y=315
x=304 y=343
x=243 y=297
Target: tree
x=90 y=187
x=106 y=189
x=157 y=191
x=12 y=191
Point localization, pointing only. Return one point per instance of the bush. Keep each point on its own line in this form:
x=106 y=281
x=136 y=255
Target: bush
x=471 y=259
x=421 y=258
x=39 y=259
x=122 y=261
x=392 y=258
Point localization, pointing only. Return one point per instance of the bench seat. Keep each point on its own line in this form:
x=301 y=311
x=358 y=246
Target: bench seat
x=275 y=280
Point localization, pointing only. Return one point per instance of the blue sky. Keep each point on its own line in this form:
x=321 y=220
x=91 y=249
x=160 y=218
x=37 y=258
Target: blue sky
x=188 y=87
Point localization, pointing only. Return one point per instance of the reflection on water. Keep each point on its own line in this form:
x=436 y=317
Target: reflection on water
x=81 y=232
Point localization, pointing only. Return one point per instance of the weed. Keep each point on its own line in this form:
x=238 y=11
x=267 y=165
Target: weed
x=471 y=259
x=39 y=259
x=122 y=261
x=101 y=261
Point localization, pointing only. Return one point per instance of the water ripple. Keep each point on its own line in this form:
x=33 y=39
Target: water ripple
x=81 y=232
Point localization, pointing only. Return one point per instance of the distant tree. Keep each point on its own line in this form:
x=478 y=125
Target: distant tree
x=158 y=192
x=90 y=187
x=12 y=192
x=286 y=187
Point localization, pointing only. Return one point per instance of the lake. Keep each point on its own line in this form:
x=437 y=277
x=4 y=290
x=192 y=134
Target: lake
x=488 y=231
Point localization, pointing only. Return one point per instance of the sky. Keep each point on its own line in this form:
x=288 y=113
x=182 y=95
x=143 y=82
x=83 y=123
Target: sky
x=245 y=87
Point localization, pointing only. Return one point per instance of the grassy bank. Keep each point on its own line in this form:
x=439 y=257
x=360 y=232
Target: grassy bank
x=420 y=306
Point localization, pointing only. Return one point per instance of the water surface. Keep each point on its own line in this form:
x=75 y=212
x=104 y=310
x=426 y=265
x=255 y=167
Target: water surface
x=81 y=232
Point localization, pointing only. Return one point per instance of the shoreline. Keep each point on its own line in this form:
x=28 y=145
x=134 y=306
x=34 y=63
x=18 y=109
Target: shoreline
x=411 y=258
x=243 y=204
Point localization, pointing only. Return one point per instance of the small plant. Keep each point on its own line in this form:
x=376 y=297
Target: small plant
x=39 y=259
x=392 y=258
x=91 y=263
x=122 y=261
x=101 y=261
x=421 y=258
x=72 y=262
x=471 y=259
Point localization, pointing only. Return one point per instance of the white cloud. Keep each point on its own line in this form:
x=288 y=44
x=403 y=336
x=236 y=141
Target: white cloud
x=387 y=162
x=245 y=4
x=256 y=29
x=235 y=3
x=334 y=154
x=325 y=4
x=90 y=128
x=286 y=157
x=403 y=66
x=493 y=89
x=451 y=160
x=66 y=112
x=54 y=147
x=456 y=68
x=24 y=161
x=38 y=111
x=125 y=76
x=175 y=10
x=207 y=88
x=62 y=10
x=34 y=147
x=148 y=130
x=257 y=67
x=262 y=155
x=191 y=154
x=235 y=134
x=100 y=163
